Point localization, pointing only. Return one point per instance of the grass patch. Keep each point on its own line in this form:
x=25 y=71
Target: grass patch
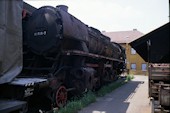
x=129 y=77
x=76 y=104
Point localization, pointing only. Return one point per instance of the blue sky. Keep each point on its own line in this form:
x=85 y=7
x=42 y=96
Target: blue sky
x=115 y=15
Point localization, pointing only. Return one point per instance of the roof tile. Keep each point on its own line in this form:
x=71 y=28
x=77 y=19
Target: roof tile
x=123 y=36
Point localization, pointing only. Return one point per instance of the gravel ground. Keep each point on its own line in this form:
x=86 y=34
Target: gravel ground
x=130 y=98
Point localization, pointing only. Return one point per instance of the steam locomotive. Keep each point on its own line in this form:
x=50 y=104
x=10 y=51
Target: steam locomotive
x=61 y=54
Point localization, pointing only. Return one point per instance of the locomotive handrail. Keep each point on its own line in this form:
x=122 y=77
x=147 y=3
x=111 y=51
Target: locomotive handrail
x=82 y=53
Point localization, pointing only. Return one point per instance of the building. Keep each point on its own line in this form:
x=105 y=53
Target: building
x=135 y=63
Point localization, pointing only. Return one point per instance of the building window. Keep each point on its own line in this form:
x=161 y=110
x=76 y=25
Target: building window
x=144 y=67
x=133 y=66
x=133 y=51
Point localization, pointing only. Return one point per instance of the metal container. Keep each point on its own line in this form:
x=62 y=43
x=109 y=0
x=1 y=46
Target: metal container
x=165 y=96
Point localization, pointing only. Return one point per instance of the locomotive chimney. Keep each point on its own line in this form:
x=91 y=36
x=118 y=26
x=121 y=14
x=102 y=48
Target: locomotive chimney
x=63 y=7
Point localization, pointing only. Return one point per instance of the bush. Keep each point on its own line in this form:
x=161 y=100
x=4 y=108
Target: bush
x=129 y=77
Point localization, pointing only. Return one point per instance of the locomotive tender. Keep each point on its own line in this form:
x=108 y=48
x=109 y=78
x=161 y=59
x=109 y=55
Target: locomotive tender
x=61 y=54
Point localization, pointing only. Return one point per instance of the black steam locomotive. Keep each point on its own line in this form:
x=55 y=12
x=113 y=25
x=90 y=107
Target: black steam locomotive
x=70 y=54
x=61 y=54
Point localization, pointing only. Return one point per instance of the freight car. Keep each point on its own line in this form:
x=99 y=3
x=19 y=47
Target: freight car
x=61 y=54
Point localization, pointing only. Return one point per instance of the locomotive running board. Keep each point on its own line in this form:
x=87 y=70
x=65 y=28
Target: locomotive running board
x=82 y=53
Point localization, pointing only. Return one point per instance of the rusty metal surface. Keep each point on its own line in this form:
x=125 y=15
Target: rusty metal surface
x=76 y=52
x=72 y=27
x=159 y=72
x=165 y=96
x=159 y=87
x=100 y=44
x=96 y=42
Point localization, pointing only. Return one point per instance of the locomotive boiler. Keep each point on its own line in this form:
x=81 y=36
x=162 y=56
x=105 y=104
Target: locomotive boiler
x=50 y=29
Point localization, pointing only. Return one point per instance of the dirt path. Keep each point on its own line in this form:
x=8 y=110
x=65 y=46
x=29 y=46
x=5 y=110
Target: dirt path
x=130 y=98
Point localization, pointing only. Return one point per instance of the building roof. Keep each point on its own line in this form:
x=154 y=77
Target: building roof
x=123 y=36
x=158 y=43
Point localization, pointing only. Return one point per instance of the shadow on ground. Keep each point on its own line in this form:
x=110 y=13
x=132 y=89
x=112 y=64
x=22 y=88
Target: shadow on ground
x=116 y=101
